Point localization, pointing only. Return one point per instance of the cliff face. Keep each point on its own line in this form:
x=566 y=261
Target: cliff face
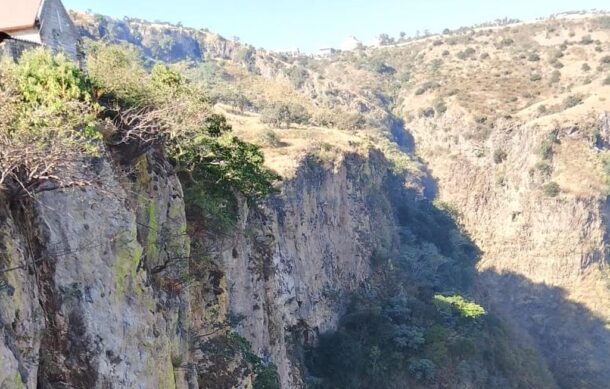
x=81 y=308
x=291 y=264
x=99 y=296
x=544 y=262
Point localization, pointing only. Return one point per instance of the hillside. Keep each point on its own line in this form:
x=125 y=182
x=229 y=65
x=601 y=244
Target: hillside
x=194 y=212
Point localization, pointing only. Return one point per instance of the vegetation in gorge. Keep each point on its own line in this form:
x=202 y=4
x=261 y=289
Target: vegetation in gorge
x=410 y=326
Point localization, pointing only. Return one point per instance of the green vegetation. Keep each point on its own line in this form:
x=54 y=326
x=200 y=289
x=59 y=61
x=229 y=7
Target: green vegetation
x=465 y=308
x=394 y=330
x=58 y=113
x=551 y=189
x=265 y=373
x=279 y=114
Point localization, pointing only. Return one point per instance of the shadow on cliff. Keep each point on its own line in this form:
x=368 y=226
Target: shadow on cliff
x=574 y=341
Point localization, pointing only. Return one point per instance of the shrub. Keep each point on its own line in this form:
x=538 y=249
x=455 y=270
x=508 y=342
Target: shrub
x=535 y=77
x=297 y=75
x=285 y=113
x=585 y=67
x=422 y=369
x=47 y=124
x=542 y=109
x=465 y=308
x=546 y=149
x=572 y=101
x=555 y=76
x=606 y=81
x=440 y=107
x=551 y=189
x=499 y=156
x=270 y=138
x=605 y=60
x=426 y=86
x=586 y=40
x=533 y=57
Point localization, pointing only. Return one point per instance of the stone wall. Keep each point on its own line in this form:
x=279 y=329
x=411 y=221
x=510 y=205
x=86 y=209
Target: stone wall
x=57 y=30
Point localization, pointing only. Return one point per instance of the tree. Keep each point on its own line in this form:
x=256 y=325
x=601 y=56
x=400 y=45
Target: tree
x=285 y=113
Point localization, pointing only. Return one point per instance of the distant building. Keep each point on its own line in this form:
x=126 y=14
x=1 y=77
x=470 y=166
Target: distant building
x=26 y=24
x=328 y=52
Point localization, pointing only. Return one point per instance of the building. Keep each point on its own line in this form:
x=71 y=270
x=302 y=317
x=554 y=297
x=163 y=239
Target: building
x=327 y=52
x=26 y=24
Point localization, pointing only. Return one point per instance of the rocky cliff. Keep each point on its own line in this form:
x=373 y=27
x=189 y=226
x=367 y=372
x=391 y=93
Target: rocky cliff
x=544 y=254
x=113 y=286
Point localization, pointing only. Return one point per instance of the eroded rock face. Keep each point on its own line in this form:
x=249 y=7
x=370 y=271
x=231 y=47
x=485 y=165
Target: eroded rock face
x=100 y=296
x=291 y=265
x=84 y=310
x=544 y=263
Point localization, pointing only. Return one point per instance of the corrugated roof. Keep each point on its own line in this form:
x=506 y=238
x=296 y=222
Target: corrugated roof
x=18 y=14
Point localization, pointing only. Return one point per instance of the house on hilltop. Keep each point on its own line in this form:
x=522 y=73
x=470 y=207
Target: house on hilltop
x=26 y=24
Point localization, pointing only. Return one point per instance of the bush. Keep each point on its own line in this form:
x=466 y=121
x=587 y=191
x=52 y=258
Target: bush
x=551 y=189
x=535 y=77
x=499 y=156
x=605 y=60
x=555 y=76
x=533 y=57
x=572 y=101
x=465 y=308
x=426 y=86
x=297 y=76
x=606 y=81
x=586 y=40
x=585 y=67
x=422 y=369
x=47 y=124
x=440 y=107
x=285 y=113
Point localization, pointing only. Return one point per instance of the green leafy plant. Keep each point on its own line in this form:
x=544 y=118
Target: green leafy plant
x=465 y=308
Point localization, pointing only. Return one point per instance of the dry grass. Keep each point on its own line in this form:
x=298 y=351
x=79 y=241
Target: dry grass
x=292 y=144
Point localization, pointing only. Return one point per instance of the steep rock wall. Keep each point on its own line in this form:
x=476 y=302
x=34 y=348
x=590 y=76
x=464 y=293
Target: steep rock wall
x=544 y=263
x=292 y=262
x=81 y=309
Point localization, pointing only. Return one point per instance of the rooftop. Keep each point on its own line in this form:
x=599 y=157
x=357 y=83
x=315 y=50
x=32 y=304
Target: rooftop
x=18 y=15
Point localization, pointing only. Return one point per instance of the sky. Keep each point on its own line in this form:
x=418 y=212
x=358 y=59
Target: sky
x=309 y=25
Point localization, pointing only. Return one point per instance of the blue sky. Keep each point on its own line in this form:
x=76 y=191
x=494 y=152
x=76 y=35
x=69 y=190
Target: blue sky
x=312 y=24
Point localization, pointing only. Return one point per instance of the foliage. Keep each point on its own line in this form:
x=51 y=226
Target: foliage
x=465 y=308
x=551 y=189
x=422 y=369
x=499 y=156
x=279 y=114
x=266 y=376
x=572 y=101
x=138 y=110
x=297 y=75
x=533 y=57
x=391 y=331
x=47 y=124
